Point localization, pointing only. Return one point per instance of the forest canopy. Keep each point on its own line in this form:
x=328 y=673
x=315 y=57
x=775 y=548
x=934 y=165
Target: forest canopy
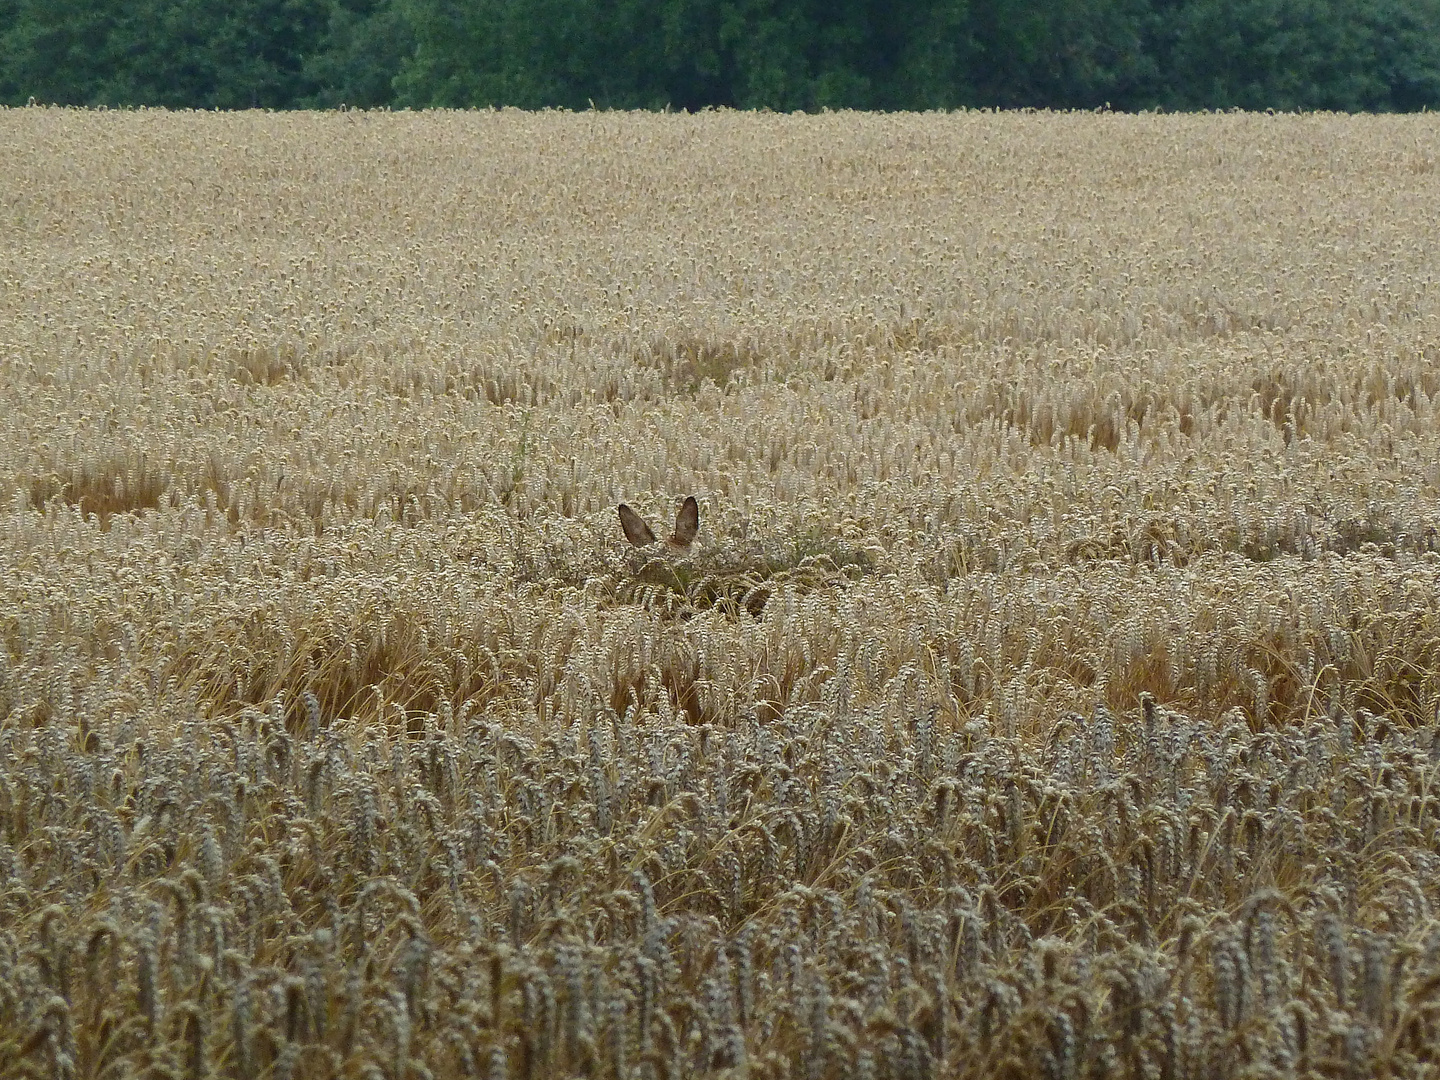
x=1348 y=55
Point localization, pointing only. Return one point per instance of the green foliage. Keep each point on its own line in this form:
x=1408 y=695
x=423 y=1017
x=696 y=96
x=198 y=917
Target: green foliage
x=177 y=53
x=1060 y=53
x=778 y=54
x=360 y=52
x=1303 y=54
x=54 y=50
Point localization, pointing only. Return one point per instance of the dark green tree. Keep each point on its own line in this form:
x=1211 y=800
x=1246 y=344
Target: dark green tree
x=779 y=54
x=1061 y=53
x=358 y=55
x=179 y=53
x=55 y=50
x=1301 y=54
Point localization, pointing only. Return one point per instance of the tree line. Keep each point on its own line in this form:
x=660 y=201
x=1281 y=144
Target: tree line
x=1351 y=55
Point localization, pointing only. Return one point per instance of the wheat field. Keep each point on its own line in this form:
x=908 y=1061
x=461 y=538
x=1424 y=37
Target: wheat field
x=1051 y=692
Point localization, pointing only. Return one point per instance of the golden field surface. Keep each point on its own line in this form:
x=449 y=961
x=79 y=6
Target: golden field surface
x=1051 y=691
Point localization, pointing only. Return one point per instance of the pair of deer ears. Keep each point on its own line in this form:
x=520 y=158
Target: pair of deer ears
x=687 y=524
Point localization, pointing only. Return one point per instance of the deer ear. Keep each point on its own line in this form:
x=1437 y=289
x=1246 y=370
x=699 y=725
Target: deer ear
x=687 y=521
x=636 y=531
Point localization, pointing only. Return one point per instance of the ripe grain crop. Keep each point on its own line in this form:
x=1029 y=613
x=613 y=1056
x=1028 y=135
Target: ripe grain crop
x=1051 y=690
